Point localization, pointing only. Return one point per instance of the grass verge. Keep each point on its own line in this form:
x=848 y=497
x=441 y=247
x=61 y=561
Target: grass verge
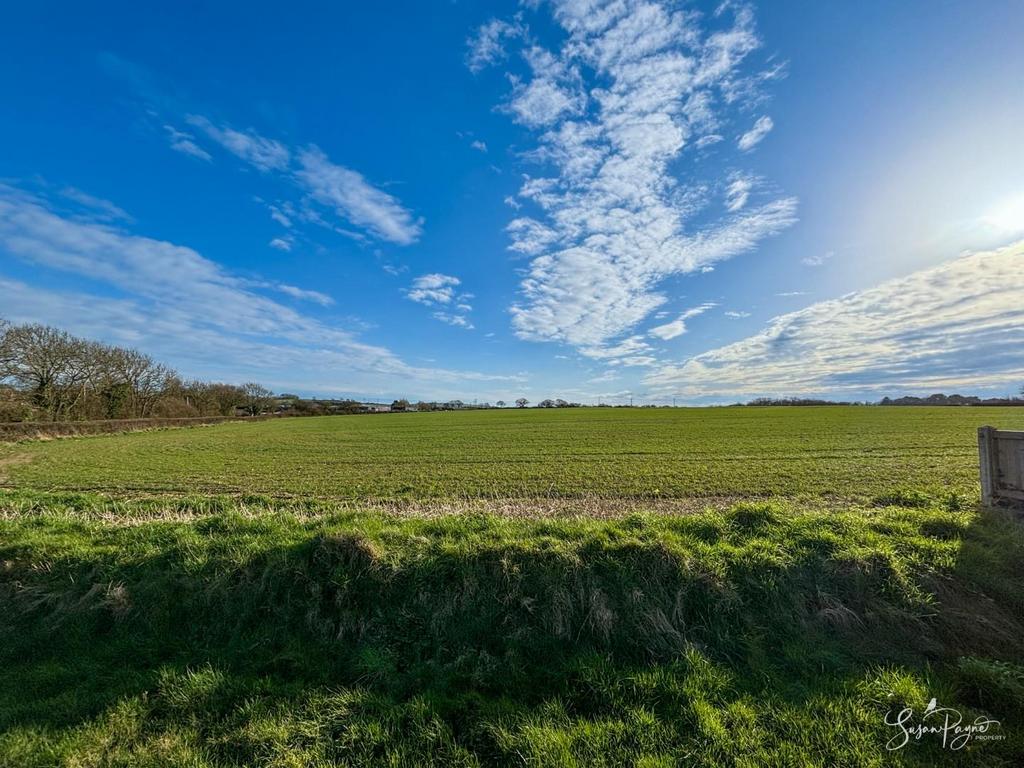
x=762 y=634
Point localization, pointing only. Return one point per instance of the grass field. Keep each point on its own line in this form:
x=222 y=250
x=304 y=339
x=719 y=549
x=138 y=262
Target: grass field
x=234 y=595
x=607 y=453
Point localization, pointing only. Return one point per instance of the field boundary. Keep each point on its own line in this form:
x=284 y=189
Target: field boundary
x=16 y=431
x=137 y=509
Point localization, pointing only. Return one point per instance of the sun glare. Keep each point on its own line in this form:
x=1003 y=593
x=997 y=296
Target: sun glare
x=1007 y=217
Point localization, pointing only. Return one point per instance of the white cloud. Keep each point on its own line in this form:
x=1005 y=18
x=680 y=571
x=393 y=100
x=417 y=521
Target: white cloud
x=607 y=376
x=678 y=326
x=281 y=243
x=487 y=46
x=459 y=321
x=306 y=295
x=636 y=360
x=437 y=290
x=734 y=315
x=185 y=143
x=755 y=135
x=100 y=209
x=957 y=326
x=634 y=346
x=818 y=259
x=478 y=145
x=265 y=154
x=433 y=289
x=282 y=214
x=356 y=200
x=341 y=189
x=790 y=294
x=614 y=107
x=738 y=192
x=552 y=92
x=530 y=236
x=178 y=305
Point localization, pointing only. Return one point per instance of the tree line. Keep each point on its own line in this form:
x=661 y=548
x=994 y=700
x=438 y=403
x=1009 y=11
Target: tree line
x=47 y=374
x=936 y=399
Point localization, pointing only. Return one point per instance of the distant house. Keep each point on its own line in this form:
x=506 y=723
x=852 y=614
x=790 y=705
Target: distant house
x=374 y=408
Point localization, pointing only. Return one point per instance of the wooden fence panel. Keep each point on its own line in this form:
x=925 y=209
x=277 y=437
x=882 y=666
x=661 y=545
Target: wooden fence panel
x=1001 y=464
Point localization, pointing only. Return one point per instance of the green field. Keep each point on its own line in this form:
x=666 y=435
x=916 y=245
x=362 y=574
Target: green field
x=771 y=585
x=607 y=453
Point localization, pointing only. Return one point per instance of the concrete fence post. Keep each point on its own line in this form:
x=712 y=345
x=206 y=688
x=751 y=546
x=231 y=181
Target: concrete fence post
x=987 y=464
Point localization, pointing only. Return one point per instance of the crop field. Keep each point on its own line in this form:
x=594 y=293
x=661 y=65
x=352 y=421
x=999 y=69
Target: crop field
x=769 y=586
x=854 y=452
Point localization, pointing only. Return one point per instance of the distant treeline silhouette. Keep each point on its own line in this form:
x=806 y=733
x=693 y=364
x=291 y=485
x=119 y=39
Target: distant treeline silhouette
x=937 y=399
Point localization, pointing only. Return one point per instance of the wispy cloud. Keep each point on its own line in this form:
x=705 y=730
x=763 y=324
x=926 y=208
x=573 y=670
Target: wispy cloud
x=100 y=209
x=282 y=213
x=755 y=135
x=553 y=90
x=265 y=154
x=281 y=243
x=305 y=295
x=487 y=46
x=604 y=378
x=433 y=289
x=614 y=108
x=956 y=326
x=733 y=314
x=175 y=302
x=817 y=259
x=460 y=321
x=738 y=192
x=478 y=145
x=354 y=199
x=442 y=290
x=186 y=144
x=631 y=351
x=344 y=191
x=678 y=326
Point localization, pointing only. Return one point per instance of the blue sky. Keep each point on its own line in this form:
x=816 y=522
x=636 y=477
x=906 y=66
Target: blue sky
x=576 y=199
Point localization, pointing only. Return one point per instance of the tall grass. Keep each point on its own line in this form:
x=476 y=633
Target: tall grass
x=764 y=634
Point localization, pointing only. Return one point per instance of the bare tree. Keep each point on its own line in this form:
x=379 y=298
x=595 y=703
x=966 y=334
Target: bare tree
x=212 y=398
x=257 y=398
x=141 y=379
x=6 y=351
x=226 y=397
x=46 y=373
x=54 y=366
